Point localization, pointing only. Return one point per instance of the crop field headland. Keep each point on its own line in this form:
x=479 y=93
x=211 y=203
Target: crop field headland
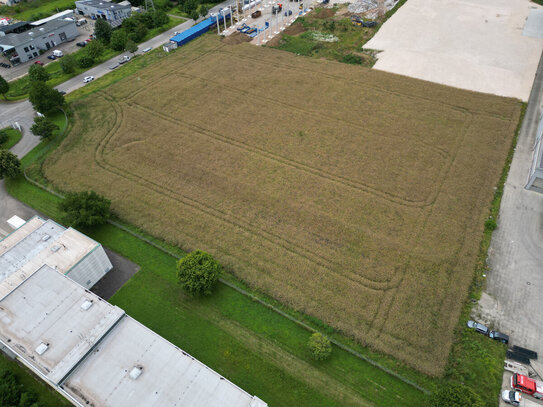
x=355 y=196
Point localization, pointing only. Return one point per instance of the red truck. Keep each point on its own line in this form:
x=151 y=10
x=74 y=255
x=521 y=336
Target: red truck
x=526 y=385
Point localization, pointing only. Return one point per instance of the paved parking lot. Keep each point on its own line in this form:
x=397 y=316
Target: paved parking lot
x=469 y=44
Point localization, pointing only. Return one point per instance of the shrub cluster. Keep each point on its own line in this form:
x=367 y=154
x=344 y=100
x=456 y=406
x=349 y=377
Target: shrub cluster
x=13 y=394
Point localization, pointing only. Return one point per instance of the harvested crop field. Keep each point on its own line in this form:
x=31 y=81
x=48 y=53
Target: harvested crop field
x=355 y=196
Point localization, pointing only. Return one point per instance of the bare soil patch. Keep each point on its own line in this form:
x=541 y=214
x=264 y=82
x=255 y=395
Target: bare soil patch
x=324 y=13
x=353 y=195
x=236 y=38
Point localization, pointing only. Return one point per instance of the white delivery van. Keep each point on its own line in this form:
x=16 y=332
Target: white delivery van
x=58 y=53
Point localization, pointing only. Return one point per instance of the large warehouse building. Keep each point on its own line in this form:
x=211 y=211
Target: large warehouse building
x=96 y=356
x=38 y=242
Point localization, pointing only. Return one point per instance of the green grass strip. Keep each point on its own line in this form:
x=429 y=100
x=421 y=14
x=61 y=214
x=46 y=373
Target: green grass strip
x=14 y=137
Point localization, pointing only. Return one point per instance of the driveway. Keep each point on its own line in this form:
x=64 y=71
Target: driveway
x=469 y=44
x=513 y=299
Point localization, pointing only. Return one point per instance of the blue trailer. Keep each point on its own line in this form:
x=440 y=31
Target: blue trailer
x=196 y=30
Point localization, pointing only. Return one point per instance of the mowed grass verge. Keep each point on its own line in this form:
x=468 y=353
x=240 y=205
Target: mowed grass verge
x=354 y=196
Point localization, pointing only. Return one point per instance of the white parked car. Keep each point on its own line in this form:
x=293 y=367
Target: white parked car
x=146 y=49
x=511 y=397
x=87 y=79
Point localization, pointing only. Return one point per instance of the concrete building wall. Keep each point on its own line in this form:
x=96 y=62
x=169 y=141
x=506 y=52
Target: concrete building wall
x=91 y=268
x=103 y=10
x=535 y=178
x=44 y=40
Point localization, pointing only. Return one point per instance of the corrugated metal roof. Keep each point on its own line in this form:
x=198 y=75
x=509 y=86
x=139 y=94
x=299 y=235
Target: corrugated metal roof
x=194 y=29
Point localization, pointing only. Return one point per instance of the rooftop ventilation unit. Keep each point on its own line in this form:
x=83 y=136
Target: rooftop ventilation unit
x=42 y=347
x=55 y=248
x=86 y=305
x=136 y=372
x=45 y=238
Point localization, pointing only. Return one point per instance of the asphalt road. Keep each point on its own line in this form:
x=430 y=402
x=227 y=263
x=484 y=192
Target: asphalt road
x=513 y=299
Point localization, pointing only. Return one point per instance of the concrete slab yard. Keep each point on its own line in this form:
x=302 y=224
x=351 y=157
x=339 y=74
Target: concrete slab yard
x=470 y=44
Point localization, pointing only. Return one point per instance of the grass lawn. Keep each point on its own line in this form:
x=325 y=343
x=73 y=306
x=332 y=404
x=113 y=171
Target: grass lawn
x=46 y=395
x=36 y=9
x=14 y=137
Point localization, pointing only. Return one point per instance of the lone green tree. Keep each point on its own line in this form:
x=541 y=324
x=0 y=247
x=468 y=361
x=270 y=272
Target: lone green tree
x=118 y=40
x=37 y=73
x=198 y=272
x=44 y=98
x=68 y=64
x=4 y=137
x=10 y=166
x=102 y=31
x=131 y=46
x=85 y=209
x=43 y=127
x=319 y=346
x=455 y=395
x=95 y=49
x=4 y=87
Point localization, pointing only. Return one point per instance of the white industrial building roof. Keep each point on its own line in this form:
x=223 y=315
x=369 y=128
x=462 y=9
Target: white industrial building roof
x=40 y=242
x=96 y=355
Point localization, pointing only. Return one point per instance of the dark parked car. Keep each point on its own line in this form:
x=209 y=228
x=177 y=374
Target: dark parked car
x=81 y=44
x=3 y=65
x=478 y=327
x=369 y=23
x=62 y=92
x=498 y=336
x=52 y=57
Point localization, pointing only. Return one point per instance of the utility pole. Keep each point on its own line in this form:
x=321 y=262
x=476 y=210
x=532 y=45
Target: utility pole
x=149 y=4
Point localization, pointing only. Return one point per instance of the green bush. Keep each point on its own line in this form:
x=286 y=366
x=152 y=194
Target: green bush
x=352 y=59
x=86 y=61
x=490 y=224
x=85 y=209
x=10 y=166
x=3 y=137
x=198 y=272
x=10 y=390
x=319 y=346
x=455 y=395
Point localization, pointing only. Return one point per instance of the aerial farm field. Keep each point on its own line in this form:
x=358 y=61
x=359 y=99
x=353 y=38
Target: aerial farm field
x=355 y=196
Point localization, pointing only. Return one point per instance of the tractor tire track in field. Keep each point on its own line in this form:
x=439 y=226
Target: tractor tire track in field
x=346 y=181
x=208 y=210
x=371 y=85
x=394 y=290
